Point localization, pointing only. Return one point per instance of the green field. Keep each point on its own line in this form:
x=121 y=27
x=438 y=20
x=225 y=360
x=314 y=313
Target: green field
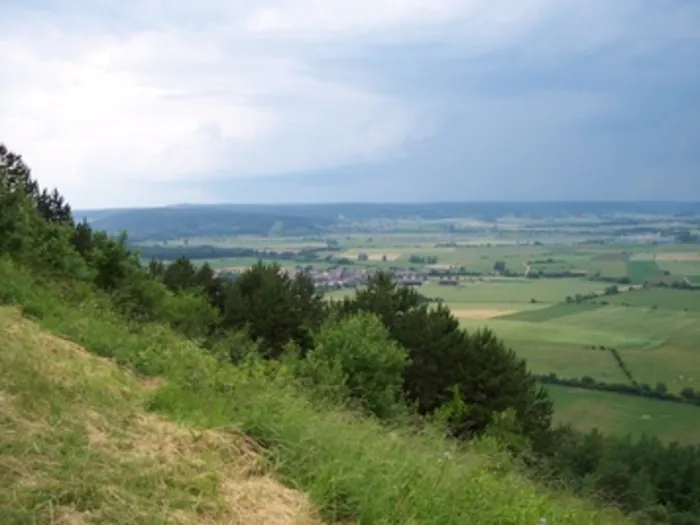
x=515 y=291
x=680 y=268
x=656 y=330
x=664 y=298
x=642 y=270
x=613 y=269
x=622 y=415
x=657 y=345
x=568 y=332
x=553 y=312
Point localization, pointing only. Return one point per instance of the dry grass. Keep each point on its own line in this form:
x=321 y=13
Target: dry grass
x=237 y=269
x=77 y=447
x=678 y=256
x=480 y=313
x=440 y=266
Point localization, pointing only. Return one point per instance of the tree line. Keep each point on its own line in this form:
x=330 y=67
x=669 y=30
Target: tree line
x=385 y=351
x=660 y=391
x=422 y=259
x=206 y=251
x=621 y=364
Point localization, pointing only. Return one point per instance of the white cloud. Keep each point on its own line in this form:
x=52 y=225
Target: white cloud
x=180 y=90
x=178 y=103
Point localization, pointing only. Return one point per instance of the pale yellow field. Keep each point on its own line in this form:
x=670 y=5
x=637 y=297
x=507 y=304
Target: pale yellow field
x=480 y=313
x=235 y=269
x=678 y=256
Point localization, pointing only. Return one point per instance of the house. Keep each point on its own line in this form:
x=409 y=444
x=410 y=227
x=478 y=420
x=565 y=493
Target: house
x=407 y=281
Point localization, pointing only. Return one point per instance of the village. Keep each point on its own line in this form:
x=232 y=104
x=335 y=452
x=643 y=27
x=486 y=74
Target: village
x=340 y=277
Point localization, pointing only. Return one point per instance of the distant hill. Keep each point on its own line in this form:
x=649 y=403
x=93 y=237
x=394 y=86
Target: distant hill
x=190 y=220
x=173 y=222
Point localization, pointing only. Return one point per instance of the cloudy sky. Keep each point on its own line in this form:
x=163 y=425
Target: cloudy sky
x=148 y=102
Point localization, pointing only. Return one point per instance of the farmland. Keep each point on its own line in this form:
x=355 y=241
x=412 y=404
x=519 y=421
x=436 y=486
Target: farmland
x=618 y=414
x=658 y=345
x=560 y=291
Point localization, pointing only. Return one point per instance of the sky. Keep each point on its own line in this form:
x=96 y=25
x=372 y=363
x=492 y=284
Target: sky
x=148 y=103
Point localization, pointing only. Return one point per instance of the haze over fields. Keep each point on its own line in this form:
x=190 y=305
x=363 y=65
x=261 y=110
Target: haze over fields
x=142 y=103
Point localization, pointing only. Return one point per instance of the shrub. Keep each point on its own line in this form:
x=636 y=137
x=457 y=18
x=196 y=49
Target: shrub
x=355 y=357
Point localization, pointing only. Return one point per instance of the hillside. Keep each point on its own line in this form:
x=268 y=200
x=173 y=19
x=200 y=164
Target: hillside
x=167 y=223
x=78 y=446
x=98 y=453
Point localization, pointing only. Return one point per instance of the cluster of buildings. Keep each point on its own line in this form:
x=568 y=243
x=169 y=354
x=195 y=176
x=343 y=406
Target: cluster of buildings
x=338 y=278
x=352 y=277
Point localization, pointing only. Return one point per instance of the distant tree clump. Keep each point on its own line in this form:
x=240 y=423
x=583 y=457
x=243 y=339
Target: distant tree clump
x=611 y=290
x=274 y=307
x=423 y=259
x=442 y=355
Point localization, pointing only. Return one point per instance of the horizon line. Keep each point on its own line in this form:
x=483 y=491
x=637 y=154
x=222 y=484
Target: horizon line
x=389 y=203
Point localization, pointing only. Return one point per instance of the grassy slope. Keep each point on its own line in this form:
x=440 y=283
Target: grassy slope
x=94 y=447
x=78 y=447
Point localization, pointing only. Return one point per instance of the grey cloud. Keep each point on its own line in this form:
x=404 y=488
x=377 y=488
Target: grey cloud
x=583 y=99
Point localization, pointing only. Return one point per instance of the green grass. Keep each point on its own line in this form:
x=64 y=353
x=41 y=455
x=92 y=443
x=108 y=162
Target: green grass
x=640 y=264
x=613 y=269
x=77 y=446
x=680 y=268
x=641 y=256
x=339 y=294
x=643 y=270
x=608 y=256
x=551 y=347
x=657 y=345
x=653 y=326
x=351 y=468
x=617 y=414
x=511 y=290
x=664 y=298
x=502 y=309
x=518 y=333
x=553 y=312
x=505 y=293
x=570 y=361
